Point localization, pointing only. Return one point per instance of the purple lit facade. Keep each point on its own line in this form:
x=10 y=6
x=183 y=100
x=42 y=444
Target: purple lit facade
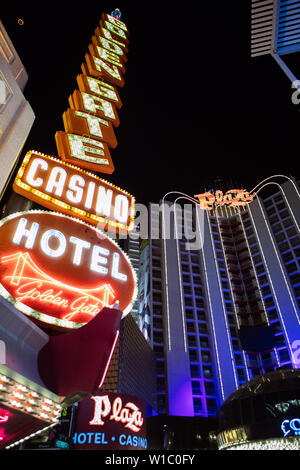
x=220 y=315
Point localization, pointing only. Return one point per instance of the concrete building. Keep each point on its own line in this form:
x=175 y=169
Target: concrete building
x=16 y=114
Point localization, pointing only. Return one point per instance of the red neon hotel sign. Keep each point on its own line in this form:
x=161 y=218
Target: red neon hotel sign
x=61 y=271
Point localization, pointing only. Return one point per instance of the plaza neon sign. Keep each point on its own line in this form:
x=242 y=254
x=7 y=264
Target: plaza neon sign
x=61 y=271
x=233 y=198
x=111 y=421
x=130 y=415
x=75 y=192
x=92 y=115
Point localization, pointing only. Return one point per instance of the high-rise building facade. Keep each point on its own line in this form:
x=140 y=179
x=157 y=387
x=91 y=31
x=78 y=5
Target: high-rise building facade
x=16 y=114
x=226 y=309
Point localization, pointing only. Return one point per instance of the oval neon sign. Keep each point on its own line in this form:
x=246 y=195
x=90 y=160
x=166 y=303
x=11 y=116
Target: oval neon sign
x=62 y=271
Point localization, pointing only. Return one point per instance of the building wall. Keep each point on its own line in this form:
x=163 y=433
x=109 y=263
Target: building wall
x=16 y=114
x=132 y=367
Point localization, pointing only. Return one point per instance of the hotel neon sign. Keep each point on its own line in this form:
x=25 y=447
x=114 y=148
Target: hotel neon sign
x=92 y=115
x=61 y=271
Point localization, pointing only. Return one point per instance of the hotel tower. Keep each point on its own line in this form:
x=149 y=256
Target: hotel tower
x=225 y=309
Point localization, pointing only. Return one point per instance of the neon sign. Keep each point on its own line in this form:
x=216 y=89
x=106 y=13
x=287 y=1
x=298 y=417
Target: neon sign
x=291 y=427
x=93 y=113
x=233 y=198
x=130 y=415
x=60 y=186
x=111 y=421
x=61 y=271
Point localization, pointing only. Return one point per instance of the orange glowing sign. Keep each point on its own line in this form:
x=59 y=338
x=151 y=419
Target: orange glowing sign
x=233 y=198
x=89 y=122
x=61 y=187
x=61 y=271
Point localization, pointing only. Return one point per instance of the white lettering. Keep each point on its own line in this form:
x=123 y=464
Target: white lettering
x=102 y=409
x=74 y=193
x=59 y=251
x=121 y=208
x=54 y=243
x=93 y=103
x=79 y=245
x=29 y=233
x=97 y=259
x=32 y=171
x=90 y=195
x=104 y=201
x=115 y=268
x=54 y=183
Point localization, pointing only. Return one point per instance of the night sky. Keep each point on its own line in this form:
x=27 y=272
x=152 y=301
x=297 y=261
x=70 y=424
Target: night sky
x=195 y=104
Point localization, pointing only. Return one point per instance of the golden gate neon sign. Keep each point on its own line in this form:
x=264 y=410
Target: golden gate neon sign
x=30 y=285
x=63 y=275
x=92 y=115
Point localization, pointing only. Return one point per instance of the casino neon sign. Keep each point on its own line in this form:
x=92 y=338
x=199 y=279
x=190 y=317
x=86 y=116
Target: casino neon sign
x=60 y=186
x=61 y=271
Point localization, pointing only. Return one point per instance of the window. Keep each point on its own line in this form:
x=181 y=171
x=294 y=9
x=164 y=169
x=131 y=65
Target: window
x=263 y=279
x=189 y=313
x=209 y=387
x=158 y=337
x=283 y=247
x=207 y=372
x=205 y=356
x=211 y=405
x=157 y=297
x=192 y=340
x=195 y=371
x=291 y=267
x=283 y=355
x=295 y=278
x=266 y=290
x=260 y=269
x=204 y=343
x=190 y=326
x=287 y=257
x=196 y=387
x=198 y=407
x=193 y=353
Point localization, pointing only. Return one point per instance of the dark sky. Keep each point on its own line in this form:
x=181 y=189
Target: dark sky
x=195 y=104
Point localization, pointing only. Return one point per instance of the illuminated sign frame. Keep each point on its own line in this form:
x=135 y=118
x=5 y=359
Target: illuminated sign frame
x=63 y=204
x=26 y=263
